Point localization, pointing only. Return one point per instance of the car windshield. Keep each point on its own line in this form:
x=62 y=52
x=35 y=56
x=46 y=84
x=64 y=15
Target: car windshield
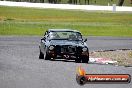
x=68 y=35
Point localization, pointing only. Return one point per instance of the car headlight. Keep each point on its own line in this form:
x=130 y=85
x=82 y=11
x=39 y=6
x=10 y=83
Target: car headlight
x=84 y=49
x=51 y=47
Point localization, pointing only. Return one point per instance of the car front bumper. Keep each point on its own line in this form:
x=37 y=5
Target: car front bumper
x=69 y=56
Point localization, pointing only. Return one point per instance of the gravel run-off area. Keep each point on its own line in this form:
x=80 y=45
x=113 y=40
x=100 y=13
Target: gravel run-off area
x=123 y=57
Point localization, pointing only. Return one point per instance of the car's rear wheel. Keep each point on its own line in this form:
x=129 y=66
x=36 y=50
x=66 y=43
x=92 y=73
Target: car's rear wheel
x=41 y=55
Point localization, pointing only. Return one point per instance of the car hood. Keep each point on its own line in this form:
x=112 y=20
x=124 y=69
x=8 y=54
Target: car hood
x=67 y=42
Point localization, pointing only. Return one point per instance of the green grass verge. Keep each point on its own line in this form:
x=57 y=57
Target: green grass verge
x=31 y=21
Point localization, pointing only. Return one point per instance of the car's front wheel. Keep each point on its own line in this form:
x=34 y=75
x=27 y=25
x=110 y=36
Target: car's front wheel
x=84 y=59
x=46 y=56
x=41 y=55
x=78 y=60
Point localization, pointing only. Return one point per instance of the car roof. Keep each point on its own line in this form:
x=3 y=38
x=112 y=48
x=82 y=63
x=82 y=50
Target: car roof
x=61 y=30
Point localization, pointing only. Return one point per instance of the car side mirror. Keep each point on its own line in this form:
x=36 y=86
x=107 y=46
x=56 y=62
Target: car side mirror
x=43 y=39
x=85 y=40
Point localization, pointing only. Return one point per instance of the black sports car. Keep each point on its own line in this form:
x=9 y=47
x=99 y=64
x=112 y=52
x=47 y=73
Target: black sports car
x=64 y=44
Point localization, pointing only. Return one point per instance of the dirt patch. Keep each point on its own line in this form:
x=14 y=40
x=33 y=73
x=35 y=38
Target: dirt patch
x=123 y=57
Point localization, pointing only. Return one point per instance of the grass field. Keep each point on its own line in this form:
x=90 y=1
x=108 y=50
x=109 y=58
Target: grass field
x=31 y=21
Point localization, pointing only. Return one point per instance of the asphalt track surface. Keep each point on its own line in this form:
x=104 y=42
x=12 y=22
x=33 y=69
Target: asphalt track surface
x=21 y=68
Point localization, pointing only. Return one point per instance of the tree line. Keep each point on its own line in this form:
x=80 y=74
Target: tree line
x=51 y=1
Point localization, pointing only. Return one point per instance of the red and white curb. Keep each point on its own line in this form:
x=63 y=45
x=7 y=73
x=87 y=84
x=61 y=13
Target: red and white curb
x=102 y=61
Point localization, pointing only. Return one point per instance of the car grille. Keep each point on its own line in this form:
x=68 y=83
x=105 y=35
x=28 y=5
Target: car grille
x=66 y=49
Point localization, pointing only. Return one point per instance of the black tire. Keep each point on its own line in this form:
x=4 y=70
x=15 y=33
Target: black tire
x=78 y=60
x=41 y=55
x=47 y=57
x=85 y=60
